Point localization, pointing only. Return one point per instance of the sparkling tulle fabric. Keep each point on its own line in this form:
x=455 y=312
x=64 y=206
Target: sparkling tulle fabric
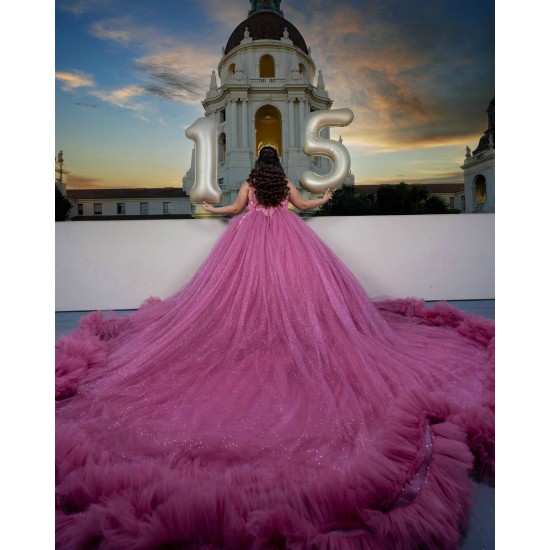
x=271 y=404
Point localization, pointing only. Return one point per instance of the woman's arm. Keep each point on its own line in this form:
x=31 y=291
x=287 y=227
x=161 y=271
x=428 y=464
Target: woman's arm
x=236 y=208
x=297 y=200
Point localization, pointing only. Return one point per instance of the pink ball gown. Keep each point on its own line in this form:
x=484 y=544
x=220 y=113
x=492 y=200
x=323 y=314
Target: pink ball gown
x=270 y=404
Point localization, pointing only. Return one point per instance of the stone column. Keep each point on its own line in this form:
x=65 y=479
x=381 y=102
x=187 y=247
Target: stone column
x=234 y=126
x=301 y=114
x=244 y=123
x=291 y=129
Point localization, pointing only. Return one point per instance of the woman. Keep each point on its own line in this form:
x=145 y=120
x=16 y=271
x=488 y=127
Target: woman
x=272 y=188
x=270 y=403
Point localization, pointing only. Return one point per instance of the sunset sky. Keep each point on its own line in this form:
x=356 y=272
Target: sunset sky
x=131 y=74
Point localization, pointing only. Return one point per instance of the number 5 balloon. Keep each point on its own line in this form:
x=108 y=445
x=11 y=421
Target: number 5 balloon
x=335 y=151
x=205 y=188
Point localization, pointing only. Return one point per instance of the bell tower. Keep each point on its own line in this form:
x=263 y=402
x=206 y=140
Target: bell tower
x=479 y=170
x=265 y=87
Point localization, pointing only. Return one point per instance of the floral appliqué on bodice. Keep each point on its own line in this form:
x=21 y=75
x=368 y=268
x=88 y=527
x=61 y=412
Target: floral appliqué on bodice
x=268 y=211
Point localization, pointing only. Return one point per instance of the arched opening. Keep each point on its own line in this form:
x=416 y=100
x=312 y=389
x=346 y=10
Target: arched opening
x=221 y=148
x=481 y=189
x=303 y=70
x=267 y=66
x=268 y=128
x=231 y=70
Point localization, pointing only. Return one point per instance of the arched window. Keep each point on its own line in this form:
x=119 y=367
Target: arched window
x=267 y=67
x=481 y=189
x=268 y=128
x=221 y=148
x=303 y=70
x=231 y=70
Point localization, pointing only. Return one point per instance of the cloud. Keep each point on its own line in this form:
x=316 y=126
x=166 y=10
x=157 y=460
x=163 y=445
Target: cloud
x=404 y=69
x=80 y=7
x=88 y=105
x=124 y=98
x=408 y=78
x=180 y=74
x=172 y=70
x=226 y=13
x=114 y=30
x=75 y=181
x=456 y=176
x=76 y=79
x=125 y=32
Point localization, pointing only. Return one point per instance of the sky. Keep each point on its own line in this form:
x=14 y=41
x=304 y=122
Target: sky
x=131 y=74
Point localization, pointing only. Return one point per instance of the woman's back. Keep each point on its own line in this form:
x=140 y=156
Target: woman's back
x=254 y=204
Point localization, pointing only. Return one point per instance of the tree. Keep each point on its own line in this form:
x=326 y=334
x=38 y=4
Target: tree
x=345 y=201
x=62 y=206
x=401 y=199
x=436 y=205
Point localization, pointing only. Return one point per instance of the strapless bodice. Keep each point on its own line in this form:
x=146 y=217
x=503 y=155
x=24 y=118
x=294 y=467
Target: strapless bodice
x=254 y=205
x=267 y=211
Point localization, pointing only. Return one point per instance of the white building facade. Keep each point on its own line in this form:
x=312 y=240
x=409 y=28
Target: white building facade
x=479 y=170
x=266 y=92
x=151 y=202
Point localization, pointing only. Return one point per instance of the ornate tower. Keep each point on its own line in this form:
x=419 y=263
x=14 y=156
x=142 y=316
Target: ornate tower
x=266 y=90
x=479 y=169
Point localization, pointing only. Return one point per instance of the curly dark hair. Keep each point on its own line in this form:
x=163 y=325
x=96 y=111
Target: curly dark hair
x=268 y=178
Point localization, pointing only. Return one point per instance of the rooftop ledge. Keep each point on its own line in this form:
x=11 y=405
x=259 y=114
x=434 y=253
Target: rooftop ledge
x=112 y=265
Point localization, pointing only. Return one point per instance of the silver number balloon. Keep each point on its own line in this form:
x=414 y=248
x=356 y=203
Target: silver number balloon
x=315 y=145
x=205 y=188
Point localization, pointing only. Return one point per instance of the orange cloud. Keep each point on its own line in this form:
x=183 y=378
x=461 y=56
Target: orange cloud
x=76 y=79
x=407 y=86
x=75 y=181
x=123 y=98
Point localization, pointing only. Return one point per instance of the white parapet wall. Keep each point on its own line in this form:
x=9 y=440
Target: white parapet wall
x=118 y=264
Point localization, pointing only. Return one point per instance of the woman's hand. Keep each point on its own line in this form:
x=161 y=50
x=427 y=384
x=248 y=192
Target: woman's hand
x=208 y=207
x=327 y=195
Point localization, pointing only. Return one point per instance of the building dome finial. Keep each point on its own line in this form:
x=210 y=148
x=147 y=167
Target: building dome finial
x=265 y=5
x=320 y=81
x=213 y=81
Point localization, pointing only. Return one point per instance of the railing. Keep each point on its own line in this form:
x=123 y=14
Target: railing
x=116 y=265
x=480 y=207
x=267 y=82
x=479 y=156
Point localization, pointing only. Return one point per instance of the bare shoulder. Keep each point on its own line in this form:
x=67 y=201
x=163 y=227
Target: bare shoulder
x=290 y=185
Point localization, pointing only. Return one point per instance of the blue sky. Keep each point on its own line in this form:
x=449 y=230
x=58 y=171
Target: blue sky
x=131 y=74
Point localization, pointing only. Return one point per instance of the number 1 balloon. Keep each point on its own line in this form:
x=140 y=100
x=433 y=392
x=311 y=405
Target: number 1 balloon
x=205 y=188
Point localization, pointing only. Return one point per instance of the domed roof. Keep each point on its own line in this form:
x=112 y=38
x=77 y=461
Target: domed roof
x=266 y=25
